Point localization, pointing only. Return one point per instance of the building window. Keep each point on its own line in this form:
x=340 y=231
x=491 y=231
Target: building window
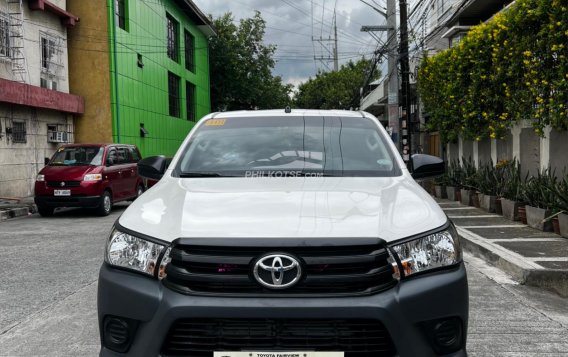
x=173 y=44
x=173 y=94
x=190 y=100
x=4 y=36
x=189 y=51
x=120 y=14
x=19 y=132
x=51 y=54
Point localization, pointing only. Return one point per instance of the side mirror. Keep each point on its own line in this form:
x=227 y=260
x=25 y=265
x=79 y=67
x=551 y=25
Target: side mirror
x=153 y=167
x=109 y=161
x=427 y=166
x=46 y=161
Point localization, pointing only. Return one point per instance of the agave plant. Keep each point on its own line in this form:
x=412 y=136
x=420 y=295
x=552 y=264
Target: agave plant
x=487 y=179
x=511 y=180
x=539 y=191
x=455 y=174
x=561 y=193
x=470 y=177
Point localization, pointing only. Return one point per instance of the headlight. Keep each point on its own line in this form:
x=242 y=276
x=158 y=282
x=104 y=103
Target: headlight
x=127 y=251
x=40 y=178
x=93 y=177
x=433 y=251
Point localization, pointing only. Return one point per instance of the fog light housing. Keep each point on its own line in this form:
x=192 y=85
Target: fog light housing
x=118 y=333
x=446 y=335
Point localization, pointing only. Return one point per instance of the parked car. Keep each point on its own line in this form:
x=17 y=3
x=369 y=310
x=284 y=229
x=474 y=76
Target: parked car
x=284 y=232
x=90 y=176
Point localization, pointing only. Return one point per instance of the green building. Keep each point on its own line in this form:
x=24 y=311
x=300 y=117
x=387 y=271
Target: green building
x=143 y=68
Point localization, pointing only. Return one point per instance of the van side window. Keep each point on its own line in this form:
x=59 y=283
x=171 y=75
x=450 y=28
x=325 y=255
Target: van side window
x=123 y=157
x=113 y=156
x=134 y=154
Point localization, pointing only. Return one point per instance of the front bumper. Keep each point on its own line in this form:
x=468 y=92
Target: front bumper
x=68 y=201
x=403 y=310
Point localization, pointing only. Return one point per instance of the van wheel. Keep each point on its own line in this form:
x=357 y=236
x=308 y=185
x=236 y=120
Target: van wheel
x=139 y=191
x=105 y=206
x=45 y=211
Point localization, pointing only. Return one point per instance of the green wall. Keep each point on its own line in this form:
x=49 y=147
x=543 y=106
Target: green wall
x=140 y=95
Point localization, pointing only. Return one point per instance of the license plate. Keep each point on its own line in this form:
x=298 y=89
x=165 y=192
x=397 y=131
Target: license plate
x=278 y=354
x=62 y=192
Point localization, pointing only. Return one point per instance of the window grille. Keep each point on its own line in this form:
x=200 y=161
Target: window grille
x=172 y=39
x=19 y=134
x=189 y=51
x=4 y=36
x=174 y=95
x=190 y=100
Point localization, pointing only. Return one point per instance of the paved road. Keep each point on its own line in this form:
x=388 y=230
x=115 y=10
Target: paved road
x=48 y=280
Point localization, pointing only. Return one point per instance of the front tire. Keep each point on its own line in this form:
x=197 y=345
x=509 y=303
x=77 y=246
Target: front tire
x=105 y=206
x=45 y=211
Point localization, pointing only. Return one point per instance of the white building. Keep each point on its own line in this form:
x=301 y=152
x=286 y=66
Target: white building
x=36 y=109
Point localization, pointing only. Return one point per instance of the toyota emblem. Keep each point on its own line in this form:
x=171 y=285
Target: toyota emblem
x=277 y=271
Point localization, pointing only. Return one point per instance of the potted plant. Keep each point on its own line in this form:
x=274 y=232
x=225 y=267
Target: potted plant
x=488 y=187
x=511 y=173
x=454 y=180
x=469 y=182
x=561 y=205
x=440 y=184
x=540 y=199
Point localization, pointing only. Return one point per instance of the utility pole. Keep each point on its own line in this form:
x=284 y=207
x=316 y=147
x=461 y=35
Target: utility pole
x=391 y=44
x=335 y=59
x=333 y=53
x=405 y=85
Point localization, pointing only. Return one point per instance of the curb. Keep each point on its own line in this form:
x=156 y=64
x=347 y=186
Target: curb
x=14 y=212
x=521 y=270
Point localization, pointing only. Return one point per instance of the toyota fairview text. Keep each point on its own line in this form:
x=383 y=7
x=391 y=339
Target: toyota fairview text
x=284 y=231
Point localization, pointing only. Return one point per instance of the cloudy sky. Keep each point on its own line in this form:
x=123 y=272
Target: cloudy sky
x=292 y=23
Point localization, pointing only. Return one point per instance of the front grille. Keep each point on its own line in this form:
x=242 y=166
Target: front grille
x=200 y=338
x=328 y=270
x=57 y=184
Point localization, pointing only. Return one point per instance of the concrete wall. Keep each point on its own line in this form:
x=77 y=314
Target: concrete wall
x=505 y=148
x=20 y=162
x=559 y=151
x=532 y=151
x=95 y=125
x=37 y=23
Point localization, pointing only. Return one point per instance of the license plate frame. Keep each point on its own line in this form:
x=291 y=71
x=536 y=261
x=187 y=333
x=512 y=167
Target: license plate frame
x=278 y=354
x=60 y=193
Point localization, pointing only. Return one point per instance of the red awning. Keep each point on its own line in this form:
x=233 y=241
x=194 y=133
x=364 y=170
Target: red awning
x=37 y=97
x=67 y=18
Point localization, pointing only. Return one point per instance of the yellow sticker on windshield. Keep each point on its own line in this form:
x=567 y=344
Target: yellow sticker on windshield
x=215 y=122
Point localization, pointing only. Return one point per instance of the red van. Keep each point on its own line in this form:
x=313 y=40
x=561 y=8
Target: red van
x=89 y=176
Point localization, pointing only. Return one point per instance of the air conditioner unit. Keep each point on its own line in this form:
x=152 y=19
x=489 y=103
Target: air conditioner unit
x=57 y=137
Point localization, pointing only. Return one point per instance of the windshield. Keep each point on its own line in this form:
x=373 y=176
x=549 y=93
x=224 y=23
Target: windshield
x=78 y=156
x=287 y=146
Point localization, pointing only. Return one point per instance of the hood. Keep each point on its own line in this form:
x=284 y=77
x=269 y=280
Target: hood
x=67 y=173
x=390 y=208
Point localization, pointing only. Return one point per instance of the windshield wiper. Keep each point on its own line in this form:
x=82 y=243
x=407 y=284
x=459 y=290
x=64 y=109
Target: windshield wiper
x=202 y=174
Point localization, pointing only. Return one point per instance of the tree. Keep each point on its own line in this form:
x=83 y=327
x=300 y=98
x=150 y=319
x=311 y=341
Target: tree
x=335 y=90
x=241 y=67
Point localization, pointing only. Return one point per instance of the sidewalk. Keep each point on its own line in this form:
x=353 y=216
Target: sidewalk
x=530 y=256
x=10 y=208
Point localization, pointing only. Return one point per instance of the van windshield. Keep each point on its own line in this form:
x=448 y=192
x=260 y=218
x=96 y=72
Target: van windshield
x=78 y=156
x=287 y=147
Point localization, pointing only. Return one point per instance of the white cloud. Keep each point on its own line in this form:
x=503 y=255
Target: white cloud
x=289 y=27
